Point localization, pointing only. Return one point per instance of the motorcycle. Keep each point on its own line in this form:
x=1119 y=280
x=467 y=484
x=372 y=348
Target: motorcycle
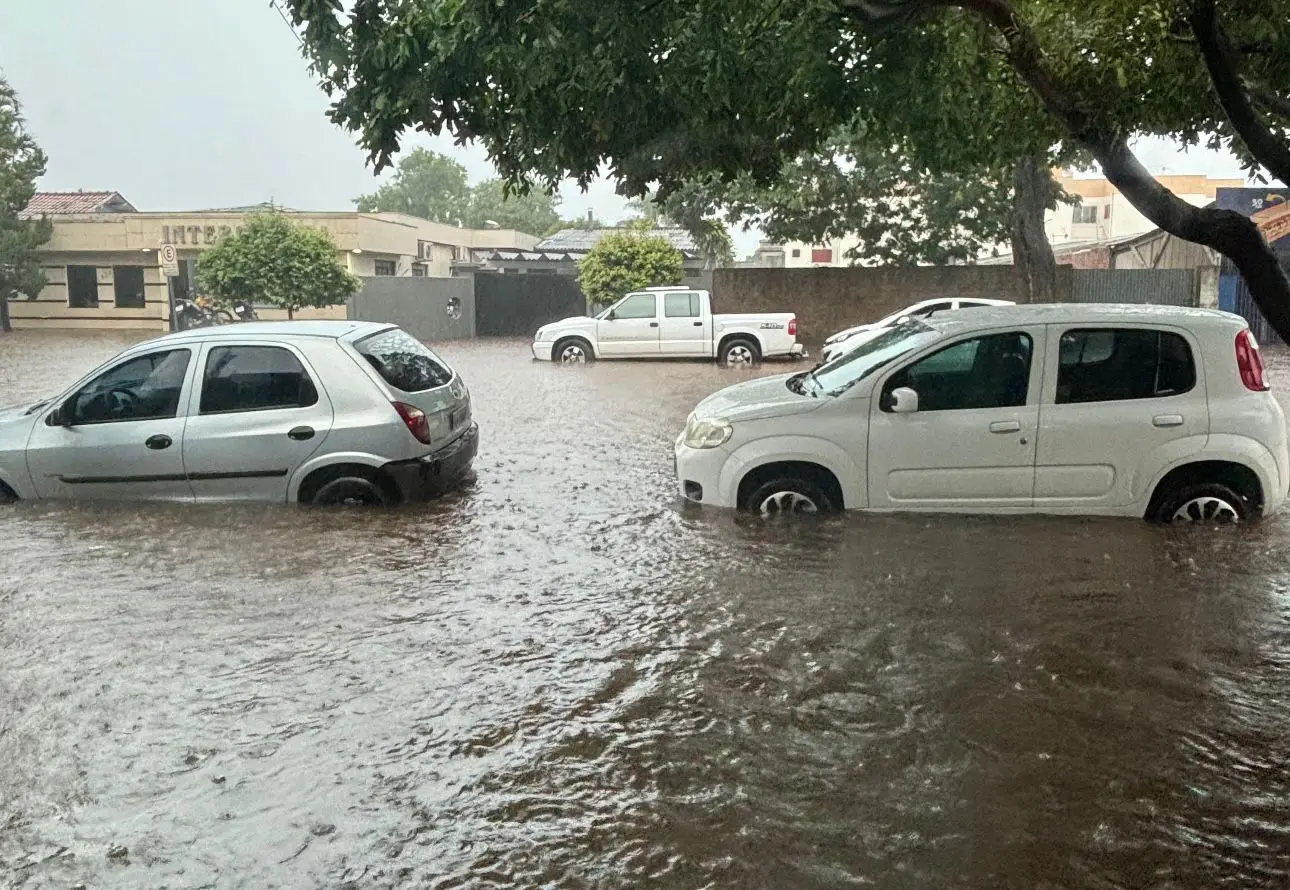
x=199 y=313
x=244 y=311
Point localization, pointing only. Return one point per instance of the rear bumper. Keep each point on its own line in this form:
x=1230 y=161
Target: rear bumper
x=428 y=477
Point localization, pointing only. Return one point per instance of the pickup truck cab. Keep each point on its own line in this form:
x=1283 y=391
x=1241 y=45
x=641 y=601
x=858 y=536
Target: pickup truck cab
x=669 y=322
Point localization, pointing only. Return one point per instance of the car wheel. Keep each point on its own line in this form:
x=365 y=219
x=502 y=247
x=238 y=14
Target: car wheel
x=350 y=491
x=7 y=495
x=740 y=353
x=1203 y=502
x=573 y=352
x=788 y=496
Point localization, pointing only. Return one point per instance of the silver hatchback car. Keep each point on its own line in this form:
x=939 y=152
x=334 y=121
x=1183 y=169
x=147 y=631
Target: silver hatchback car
x=319 y=412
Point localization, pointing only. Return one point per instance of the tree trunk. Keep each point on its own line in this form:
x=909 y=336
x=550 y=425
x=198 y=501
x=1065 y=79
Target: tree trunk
x=5 y=326
x=1032 y=255
x=291 y=313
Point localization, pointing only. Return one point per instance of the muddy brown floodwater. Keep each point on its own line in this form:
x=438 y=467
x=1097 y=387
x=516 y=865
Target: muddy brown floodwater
x=560 y=678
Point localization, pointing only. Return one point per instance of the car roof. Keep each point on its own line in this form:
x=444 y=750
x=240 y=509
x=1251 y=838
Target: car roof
x=330 y=329
x=1079 y=313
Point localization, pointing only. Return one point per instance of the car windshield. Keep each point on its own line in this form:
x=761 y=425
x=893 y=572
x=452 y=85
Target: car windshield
x=850 y=368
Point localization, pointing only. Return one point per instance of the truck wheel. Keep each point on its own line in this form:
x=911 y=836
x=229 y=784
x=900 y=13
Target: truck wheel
x=739 y=352
x=573 y=351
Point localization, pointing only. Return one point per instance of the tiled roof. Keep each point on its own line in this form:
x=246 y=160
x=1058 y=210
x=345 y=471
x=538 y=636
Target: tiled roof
x=62 y=203
x=582 y=240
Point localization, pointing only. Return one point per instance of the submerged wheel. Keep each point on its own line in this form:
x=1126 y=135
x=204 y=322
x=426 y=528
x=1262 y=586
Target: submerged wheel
x=739 y=353
x=1203 y=502
x=350 y=491
x=573 y=352
x=788 y=496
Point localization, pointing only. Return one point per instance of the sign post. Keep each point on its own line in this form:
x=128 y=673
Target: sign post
x=169 y=259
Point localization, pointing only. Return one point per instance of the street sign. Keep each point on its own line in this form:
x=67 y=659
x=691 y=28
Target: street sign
x=169 y=261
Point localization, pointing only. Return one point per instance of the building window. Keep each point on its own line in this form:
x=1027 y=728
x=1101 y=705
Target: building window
x=418 y=270
x=384 y=267
x=128 y=288
x=1083 y=214
x=821 y=255
x=83 y=287
x=797 y=252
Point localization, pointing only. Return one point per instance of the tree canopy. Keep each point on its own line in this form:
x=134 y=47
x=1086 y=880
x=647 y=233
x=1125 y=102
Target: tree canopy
x=628 y=260
x=271 y=259
x=21 y=164
x=669 y=90
x=433 y=186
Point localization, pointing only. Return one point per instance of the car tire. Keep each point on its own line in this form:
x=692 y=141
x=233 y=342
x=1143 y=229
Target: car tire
x=1203 y=502
x=573 y=351
x=350 y=491
x=739 y=352
x=788 y=495
x=7 y=495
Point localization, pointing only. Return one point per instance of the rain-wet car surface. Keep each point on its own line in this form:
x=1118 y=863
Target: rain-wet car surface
x=561 y=676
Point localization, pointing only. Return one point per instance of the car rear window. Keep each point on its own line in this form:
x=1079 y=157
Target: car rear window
x=403 y=361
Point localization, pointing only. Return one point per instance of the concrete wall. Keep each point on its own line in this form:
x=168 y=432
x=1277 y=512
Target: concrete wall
x=418 y=305
x=827 y=300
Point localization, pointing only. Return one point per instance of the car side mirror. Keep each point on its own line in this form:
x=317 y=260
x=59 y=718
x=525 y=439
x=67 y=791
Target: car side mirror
x=612 y=316
x=903 y=400
x=61 y=416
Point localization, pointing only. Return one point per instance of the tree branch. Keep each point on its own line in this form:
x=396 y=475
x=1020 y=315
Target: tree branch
x=1269 y=98
x=1222 y=62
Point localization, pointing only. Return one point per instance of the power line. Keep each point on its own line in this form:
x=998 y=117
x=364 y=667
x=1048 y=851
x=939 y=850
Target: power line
x=273 y=4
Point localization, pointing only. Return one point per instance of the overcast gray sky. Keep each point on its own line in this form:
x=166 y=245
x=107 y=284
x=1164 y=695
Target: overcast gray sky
x=189 y=105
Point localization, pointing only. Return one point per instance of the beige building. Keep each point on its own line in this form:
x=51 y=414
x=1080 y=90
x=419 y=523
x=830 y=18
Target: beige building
x=103 y=263
x=1102 y=214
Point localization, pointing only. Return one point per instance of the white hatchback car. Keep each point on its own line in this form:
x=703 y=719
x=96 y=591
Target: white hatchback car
x=322 y=412
x=1148 y=411
x=846 y=340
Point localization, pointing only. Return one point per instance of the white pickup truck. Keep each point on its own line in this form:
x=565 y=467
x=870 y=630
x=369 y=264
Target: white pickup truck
x=669 y=322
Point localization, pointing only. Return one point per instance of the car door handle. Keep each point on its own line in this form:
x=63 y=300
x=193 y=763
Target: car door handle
x=158 y=442
x=1167 y=420
x=301 y=433
x=653 y=324
x=1005 y=426
x=698 y=324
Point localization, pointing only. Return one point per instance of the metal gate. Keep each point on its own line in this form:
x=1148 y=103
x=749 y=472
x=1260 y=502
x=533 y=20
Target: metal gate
x=1168 y=287
x=1234 y=296
x=517 y=305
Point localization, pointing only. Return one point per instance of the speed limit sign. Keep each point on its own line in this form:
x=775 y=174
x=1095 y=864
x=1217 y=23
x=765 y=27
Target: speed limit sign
x=169 y=261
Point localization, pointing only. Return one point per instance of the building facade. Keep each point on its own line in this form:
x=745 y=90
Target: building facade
x=559 y=254
x=103 y=263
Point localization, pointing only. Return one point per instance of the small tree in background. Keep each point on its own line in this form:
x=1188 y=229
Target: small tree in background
x=21 y=164
x=626 y=261
x=272 y=260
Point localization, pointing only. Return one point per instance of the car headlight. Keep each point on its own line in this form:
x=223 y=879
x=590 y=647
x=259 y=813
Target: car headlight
x=838 y=338
x=709 y=433
x=540 y=335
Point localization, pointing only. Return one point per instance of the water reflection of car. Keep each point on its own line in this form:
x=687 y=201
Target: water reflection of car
x=1149 y=411
x=322 y=412
x=850 y=338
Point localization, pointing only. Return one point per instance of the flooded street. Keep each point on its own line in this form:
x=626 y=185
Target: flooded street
x=559 y=677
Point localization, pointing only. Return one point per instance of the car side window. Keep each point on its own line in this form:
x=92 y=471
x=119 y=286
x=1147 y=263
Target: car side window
x=935 y=307
x=637 y=306
x=681 y=306
x=1121 y=364
x=254 y=378
x=983 y=372
x=146 y=387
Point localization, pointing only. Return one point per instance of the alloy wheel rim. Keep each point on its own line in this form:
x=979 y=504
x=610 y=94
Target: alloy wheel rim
x=1206 y=509
x=573 y=355
x=739 y=355
x=782 y=503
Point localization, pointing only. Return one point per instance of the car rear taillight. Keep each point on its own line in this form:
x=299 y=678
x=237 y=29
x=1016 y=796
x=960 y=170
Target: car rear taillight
x=792 y=327
x=1250 y=362
x=415 y=419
